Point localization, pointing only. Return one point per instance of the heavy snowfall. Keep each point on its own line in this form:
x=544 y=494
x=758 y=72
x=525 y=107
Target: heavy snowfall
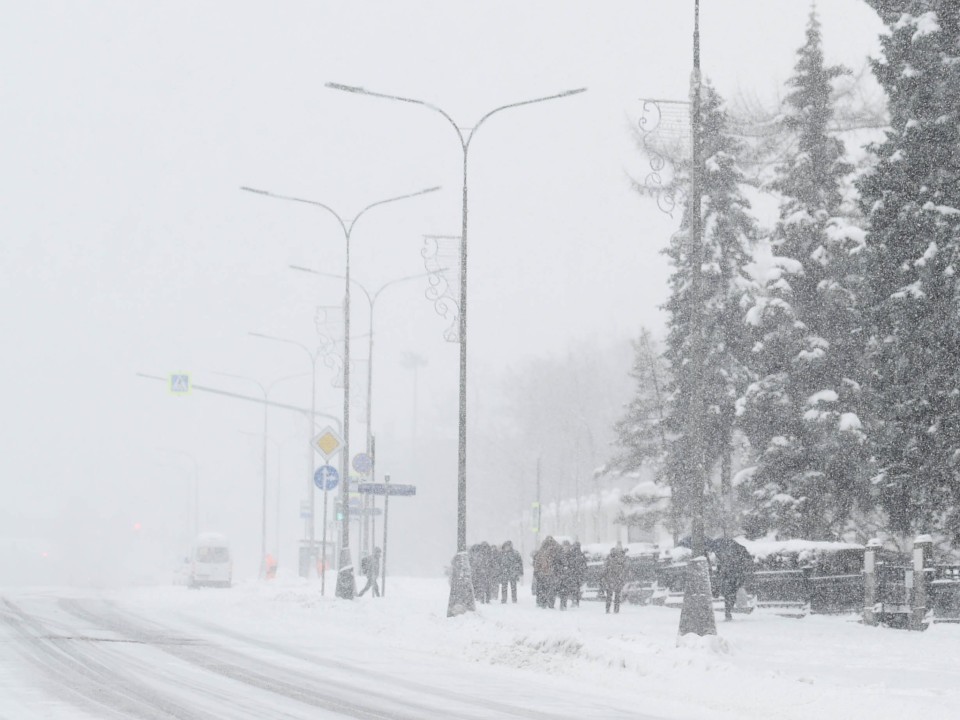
x=694 y=452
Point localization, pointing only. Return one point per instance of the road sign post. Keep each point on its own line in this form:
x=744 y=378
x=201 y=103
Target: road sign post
x=386 y=488
x=386 y=517
x=327 y=443
x=363 y=464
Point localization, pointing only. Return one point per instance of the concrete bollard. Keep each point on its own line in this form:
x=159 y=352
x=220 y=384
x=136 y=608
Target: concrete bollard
x=870 y=582
x=922 y=559
x=696 y=615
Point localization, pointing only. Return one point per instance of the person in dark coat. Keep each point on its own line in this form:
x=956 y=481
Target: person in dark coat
x=546 y=568
x=614 y=575
x=493 y=559
x=734 y=565
x=511 y=570
x=577 y=564
x=370 y=566
x=479 y=556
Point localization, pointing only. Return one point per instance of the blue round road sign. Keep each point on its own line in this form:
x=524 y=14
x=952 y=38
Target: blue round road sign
x=326 y=477
x=362 y=463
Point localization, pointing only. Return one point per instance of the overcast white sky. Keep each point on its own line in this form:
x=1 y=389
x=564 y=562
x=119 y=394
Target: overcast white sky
x=126 y=246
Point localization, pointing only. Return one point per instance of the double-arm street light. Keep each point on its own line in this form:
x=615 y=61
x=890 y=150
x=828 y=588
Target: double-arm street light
x=461 y=587
x=314 y=356
x=372 y=302
x=346 y=583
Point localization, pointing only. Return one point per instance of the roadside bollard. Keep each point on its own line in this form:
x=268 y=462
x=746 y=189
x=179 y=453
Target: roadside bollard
x=922 y=558
x=870 y=582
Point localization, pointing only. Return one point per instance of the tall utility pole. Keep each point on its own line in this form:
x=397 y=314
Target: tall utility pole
x=265 y=390
x=461 y=585
x=346 y=581
x=538 y=513
x=372 y=297
x=195 y=511
x=697 y=614
x=310 y=524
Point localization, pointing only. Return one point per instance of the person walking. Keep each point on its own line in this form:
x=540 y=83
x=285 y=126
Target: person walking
x=614 y=574
x=546 y=567
x=578 y=572
x=564 y=575
x=511 y=570
x=370 y=566
x=734 y=565
x=479 y=555
x=494 y=580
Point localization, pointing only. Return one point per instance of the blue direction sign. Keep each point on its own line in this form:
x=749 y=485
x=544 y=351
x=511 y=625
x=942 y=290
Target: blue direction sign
x=326 y=477
x=387 y=489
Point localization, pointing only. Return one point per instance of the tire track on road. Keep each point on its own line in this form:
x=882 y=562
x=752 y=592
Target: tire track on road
x=79 y=677
x=435 y=692
x=274 y=679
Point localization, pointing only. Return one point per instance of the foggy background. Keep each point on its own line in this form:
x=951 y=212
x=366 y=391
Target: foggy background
x=127 y=246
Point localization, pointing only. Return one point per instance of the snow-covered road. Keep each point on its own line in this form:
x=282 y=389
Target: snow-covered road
x=65 y=655
x=282 y=650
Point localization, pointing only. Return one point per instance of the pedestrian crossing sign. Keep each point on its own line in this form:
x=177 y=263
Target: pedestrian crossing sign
x=179 y=384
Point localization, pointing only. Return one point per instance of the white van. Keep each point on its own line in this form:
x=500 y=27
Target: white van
x=210 y=562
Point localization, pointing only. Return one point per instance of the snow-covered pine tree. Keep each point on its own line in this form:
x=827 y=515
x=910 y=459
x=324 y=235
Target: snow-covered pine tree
x=712 y=313
x=913 y=201
x=641 y=436
x=801 y=414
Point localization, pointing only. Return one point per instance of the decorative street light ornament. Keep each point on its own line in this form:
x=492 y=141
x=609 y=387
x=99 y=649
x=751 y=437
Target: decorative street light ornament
x=664 y=127
x=328 y=328
x=441 y=258
x=328 y=443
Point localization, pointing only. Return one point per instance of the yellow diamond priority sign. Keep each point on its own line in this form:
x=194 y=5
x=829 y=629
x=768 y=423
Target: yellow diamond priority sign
x=328 y=443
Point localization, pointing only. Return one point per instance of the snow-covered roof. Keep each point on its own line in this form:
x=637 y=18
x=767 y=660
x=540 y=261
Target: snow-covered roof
x=635 y=549
x=587 y=503
x=211 y=538
x=766 y=547
x=650 y=488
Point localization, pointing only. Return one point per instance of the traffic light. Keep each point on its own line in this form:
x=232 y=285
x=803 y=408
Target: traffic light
x=338 y=506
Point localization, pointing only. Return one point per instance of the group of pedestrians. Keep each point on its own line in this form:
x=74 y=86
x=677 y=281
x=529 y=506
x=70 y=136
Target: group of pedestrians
x=495 y=568
x=559 y=571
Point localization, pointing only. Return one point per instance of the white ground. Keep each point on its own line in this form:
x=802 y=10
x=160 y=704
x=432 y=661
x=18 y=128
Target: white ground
x=281 y=650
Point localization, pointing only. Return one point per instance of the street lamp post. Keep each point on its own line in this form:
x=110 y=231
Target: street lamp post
x=196 y=485
x=265 y=390
x=310 y=528
x=346 y=582
x=372 y=302
x=696 y=616
x=461 y=587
